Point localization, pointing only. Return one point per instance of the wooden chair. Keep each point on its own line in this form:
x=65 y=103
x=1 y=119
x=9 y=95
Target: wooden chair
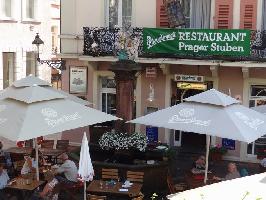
x=95 y=197
x=135 y=176
x=110 y=174
x=174 y=188
x=140 y=196
x=47 y=144
x=62 y=144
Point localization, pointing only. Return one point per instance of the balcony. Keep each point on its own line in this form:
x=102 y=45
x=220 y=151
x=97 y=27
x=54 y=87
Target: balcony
x=103 y=41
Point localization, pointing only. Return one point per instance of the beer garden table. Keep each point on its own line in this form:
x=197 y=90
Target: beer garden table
x=132 y=191
x=25 y=188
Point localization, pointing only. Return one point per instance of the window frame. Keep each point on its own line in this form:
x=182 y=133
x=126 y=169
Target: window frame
x=35 y=17
x=255 y=98
x=3 y=15
x=120 y=13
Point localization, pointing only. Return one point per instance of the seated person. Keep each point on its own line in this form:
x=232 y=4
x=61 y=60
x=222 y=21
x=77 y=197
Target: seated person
x=4 y=178
x=66 y=174
x=8 y=162
x=200 y=163
x=30 y=163
x=232 y=173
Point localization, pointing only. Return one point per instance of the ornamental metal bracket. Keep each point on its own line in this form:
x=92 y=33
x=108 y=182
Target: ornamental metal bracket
x=56 y=64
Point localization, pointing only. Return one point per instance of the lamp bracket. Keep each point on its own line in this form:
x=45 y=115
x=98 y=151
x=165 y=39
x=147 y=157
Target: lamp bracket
x=56 y=64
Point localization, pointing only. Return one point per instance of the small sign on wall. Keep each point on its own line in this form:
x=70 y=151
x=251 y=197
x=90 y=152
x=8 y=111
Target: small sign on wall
x=78 y=80
x=189 y=78
x=151 y=72
x=228 y=144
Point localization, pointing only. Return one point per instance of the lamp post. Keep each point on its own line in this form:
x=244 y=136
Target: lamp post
x=57 y=64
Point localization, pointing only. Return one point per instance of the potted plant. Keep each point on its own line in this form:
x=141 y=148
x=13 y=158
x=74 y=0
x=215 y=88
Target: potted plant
x=123 y=141
x=217 y=152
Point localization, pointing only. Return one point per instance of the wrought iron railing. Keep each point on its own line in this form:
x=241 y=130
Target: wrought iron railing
x=103 y=41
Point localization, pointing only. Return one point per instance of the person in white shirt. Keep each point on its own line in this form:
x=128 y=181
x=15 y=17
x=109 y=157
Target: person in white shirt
x=66 y=174
x=4 y=178
x=69 y=171
x=30 y=163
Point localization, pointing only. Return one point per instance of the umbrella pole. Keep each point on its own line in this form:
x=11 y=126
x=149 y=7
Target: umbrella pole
x=208 y=138
x=84 y=189
x=37 y=159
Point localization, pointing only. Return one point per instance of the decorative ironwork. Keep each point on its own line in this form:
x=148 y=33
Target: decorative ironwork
x=99 y=41
x=56 y=64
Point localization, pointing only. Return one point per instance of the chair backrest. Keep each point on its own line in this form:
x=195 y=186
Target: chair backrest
x=110 y=174
x=95 y=197
x=62 y=144
x=29 y=143
x=170 y=184
x=135 y=176
x=47 y=144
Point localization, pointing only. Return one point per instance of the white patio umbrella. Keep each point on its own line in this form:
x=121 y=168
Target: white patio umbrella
x=85 y=171
x=246 y=188
x=212 y=113
x=32 y=111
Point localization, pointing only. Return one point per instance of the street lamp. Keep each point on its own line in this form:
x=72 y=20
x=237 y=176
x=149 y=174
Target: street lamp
x=57 y=64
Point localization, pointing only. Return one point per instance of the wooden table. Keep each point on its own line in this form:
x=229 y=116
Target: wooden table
x=25 y=190
x=94 y=188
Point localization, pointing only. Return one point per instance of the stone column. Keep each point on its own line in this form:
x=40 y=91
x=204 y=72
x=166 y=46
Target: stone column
x=124 y=76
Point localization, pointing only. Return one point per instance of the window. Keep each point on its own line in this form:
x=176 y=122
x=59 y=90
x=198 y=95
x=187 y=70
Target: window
x=30 y=63
x=185 y=5
x=8 y=68
x=257 y=97
x=6 y=8
x=108 y=95
x=30 y=9
x=119 y=13
x=54 y=31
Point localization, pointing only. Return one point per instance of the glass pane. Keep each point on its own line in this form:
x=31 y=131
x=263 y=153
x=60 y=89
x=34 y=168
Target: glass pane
x=104 y=102
x=126 y=12
x=108 y=83
x=251 y=103
x=249 y=148
x=113 y=13
x=30 y=9
x=185 y=4
x=8 y=8
x=111 y=104
x=258 y=91
x=177 y=135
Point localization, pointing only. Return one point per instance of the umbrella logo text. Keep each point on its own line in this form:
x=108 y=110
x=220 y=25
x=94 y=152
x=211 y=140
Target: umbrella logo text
x=186 y=116
x=52 y=119
x=251 y=122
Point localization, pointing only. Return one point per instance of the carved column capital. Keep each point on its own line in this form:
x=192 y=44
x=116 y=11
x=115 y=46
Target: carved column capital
x=245 y=71
x=165 y=68
x=214 y=70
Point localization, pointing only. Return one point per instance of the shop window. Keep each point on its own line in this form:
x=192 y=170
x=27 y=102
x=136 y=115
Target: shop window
x=8 y=68
x=30 y=5
x=108 y=95
x=31 y=63
x=6 y=8
x=257 y=97
x=119 y=13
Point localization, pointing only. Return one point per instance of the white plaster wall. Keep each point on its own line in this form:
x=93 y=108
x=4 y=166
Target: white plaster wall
x=144 y=13
x=78 y=14
x=17 y=36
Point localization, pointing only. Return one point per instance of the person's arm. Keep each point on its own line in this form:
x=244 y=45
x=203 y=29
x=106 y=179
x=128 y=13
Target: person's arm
x=63 y=168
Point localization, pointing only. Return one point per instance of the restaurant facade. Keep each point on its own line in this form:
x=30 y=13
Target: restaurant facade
x=224 y=50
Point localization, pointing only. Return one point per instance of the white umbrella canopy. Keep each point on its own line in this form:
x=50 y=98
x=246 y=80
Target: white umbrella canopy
x=261 y=109
x=28 y=111
x=212 y=113
x=22 y=121
x=246 y=188
x=85 y=171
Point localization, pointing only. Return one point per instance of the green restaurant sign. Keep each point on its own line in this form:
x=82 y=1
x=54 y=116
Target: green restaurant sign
x=209 y=42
